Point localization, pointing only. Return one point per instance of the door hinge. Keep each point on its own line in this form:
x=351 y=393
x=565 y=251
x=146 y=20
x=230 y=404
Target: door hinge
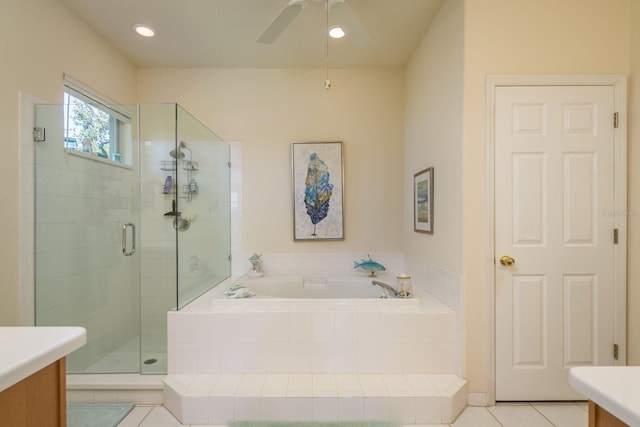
x=615 y=352
x=39 y=134
x=229 y=164
x=615 y=236
x=615 y=120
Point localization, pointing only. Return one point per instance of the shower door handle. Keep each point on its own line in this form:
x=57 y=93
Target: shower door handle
x=124 y=239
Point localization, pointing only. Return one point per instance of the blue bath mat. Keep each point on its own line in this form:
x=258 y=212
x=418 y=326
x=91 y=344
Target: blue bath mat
x=96 y=414
x=314 y=424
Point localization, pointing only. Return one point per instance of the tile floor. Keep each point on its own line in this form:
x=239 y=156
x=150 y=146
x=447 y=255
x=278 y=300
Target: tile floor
x=534 y=414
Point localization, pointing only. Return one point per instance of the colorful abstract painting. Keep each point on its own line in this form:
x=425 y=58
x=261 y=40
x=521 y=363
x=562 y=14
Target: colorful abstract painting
x=317 y=190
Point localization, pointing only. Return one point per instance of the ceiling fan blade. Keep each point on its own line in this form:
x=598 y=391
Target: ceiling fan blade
x=344 y=17
x=282 y=21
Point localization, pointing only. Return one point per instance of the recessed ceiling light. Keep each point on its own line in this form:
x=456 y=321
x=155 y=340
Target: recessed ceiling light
x=336 y=32
x=144 y=30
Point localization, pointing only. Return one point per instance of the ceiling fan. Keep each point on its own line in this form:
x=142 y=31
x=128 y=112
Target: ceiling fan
x=341 y=16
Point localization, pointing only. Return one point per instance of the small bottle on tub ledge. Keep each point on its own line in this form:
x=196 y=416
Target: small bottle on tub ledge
x=256 y=266
x=404 y=286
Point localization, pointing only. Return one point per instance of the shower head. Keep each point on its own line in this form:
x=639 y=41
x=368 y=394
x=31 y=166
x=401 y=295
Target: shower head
x=177 y=153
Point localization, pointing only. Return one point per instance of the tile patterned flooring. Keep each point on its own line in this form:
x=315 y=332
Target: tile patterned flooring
x=521 y=414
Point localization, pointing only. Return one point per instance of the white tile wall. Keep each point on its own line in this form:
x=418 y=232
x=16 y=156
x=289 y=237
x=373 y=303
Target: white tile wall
x=313 y=341
x=320 y=263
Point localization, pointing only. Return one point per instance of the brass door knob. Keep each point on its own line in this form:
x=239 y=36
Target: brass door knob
x=507 y=260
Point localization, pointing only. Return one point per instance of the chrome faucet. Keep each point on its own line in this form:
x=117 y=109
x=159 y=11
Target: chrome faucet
x=388 y=288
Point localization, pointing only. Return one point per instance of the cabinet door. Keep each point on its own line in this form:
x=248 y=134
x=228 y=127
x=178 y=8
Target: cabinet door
x=38 y=400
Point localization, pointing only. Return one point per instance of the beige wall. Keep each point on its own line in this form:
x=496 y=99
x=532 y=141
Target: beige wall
x=267 y=109
x=633 y=220
x=41 y=41
x=521 y=36
x=433 y=136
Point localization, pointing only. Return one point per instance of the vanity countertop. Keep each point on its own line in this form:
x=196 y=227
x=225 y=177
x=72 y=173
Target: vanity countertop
x=25 y=350
x=614 y=388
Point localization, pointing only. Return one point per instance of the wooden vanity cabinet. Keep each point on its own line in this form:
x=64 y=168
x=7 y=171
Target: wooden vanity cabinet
x=38 y=400
x=599 y=417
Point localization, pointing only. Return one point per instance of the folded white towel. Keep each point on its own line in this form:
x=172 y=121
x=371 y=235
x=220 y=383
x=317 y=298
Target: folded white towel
x=238 y=291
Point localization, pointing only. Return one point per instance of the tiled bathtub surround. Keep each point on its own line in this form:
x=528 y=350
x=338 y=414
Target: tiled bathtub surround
x=292 y=353
x=442 y=284
x=313 y=336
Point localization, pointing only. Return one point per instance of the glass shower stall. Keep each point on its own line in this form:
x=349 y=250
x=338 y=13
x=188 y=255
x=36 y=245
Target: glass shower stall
x=127 y=231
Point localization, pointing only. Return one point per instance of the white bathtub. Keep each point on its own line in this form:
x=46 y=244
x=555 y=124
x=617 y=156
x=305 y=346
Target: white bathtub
x=310 y=290
x=314 y=286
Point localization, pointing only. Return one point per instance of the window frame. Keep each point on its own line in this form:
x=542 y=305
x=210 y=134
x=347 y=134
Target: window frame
x=117 y=113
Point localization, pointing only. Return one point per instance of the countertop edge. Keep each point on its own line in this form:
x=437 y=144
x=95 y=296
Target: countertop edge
x=72 y=338
x=608 y=402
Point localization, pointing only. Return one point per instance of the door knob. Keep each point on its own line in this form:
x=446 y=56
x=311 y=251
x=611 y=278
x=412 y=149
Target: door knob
x=507 y=260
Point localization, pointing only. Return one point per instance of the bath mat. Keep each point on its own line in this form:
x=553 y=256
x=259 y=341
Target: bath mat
x=96 y=414
x=314 y=424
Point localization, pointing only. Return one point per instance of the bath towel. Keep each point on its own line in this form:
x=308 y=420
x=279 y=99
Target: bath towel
x=238 y=291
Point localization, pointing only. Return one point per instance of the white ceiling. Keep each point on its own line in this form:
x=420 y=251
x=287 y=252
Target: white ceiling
x=223 y=33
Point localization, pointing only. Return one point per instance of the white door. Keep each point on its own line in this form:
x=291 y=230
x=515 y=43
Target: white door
x=554 y=187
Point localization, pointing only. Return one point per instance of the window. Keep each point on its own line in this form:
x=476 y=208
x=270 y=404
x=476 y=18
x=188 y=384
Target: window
x=94 y=127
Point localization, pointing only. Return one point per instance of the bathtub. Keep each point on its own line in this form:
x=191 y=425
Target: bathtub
x=311 y=290
x=312 y=286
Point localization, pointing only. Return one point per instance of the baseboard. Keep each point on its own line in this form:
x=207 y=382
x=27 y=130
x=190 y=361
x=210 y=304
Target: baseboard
x=477 y=399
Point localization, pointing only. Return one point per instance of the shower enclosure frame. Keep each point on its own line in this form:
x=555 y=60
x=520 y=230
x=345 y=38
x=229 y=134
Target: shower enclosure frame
x=140 y=287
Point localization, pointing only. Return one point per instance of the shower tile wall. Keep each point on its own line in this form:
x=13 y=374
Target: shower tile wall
x=194 y=262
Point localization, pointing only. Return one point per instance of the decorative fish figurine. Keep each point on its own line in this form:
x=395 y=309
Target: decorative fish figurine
x=369 y=265
x=318 y=190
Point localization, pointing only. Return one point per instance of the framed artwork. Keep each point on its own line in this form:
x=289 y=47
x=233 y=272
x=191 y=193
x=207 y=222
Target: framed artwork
x=317 y=173
x=423 y=201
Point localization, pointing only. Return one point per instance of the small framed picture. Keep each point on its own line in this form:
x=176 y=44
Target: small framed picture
x=317 y=172
x=423 y=201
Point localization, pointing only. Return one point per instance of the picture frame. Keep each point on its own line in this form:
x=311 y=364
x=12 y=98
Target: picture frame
x=423 y=201
x=317 y=172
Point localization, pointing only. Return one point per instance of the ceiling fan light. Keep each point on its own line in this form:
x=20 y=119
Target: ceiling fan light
x=144 y=30
x=336 y=32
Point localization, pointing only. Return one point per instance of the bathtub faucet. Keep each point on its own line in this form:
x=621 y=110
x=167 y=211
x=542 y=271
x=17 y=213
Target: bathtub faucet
x=388 y=288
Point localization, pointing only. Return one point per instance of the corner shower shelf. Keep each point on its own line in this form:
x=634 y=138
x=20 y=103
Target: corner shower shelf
x=168 y=165
x=190 y=166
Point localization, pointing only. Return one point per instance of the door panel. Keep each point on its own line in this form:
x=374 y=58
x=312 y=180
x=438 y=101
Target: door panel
x=554 y=173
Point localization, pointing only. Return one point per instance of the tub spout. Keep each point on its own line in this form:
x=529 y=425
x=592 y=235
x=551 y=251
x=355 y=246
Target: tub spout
x=388 y=288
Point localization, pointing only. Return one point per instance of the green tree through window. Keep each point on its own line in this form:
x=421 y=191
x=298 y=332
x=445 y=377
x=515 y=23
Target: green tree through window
x=89 y=124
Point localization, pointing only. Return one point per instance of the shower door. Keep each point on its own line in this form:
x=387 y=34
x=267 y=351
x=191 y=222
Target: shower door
x=129 y=226
x=87 y=216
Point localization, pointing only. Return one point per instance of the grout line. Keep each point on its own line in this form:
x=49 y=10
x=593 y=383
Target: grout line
x=486 y=408
x=144 y=418
x=543 y=416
